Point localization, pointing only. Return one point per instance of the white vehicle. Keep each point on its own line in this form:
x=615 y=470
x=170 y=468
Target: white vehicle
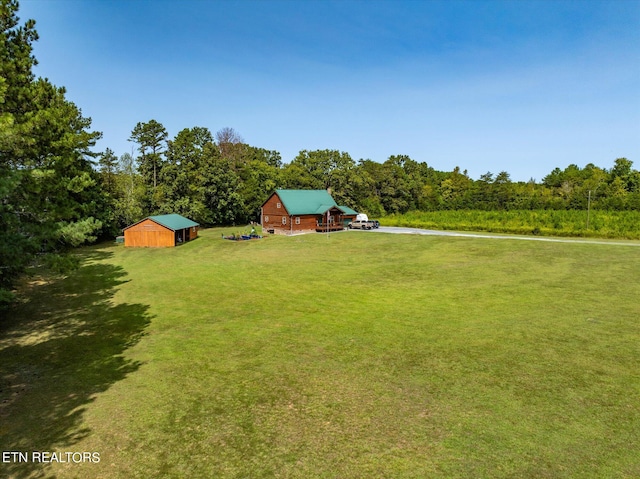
x=362 y=217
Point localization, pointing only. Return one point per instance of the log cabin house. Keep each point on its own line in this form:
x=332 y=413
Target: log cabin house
x=303 y=211
x=160 y=231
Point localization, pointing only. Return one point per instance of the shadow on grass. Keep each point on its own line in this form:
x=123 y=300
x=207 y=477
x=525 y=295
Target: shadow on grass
x=58 y=350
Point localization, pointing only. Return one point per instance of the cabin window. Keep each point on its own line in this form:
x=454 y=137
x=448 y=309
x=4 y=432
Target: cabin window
x=284 y=220
x=277 y=205
x=297 y=220
x=266 y=219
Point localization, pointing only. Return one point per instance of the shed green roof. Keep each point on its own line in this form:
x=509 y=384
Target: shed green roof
x=173 y=221
x=306 y=202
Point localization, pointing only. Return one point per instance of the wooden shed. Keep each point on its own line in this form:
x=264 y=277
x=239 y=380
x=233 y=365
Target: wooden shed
x=302 y=211
x=160 y=231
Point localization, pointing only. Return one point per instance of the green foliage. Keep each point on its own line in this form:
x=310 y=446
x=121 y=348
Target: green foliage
x=151 y=140
x=6 y=297
x=197 y=182
x=259 y=177
x=108 y=165
x=222 y=195
x=184 y=173
x=324 y=170
x=16 y=250
x=78 y=232
x=61 y=264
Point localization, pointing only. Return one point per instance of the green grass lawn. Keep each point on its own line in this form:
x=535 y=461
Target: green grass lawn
x=359 y=355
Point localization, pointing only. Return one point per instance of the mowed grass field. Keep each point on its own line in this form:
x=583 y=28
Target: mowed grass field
x=359 y=355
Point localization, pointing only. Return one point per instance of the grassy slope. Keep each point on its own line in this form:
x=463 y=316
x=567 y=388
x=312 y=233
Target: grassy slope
x=361 y=355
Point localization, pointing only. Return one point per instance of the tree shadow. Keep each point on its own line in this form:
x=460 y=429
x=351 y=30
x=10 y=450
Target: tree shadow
x=58 y=350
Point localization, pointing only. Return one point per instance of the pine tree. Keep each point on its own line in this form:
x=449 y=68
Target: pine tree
x=49 y=193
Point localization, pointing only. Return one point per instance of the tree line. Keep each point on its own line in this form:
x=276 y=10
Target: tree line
x=223 y=180
x=57 y=193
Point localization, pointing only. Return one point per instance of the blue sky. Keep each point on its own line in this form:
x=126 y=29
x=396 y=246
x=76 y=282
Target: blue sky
x=516 y=86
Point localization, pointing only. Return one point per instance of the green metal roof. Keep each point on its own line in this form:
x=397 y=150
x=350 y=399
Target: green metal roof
x=173 y=221
x=348 y=211
x=306 y=202
x=322 y=209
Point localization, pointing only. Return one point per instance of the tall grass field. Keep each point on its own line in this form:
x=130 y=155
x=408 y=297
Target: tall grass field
x=353 y=355
x=570 y=223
